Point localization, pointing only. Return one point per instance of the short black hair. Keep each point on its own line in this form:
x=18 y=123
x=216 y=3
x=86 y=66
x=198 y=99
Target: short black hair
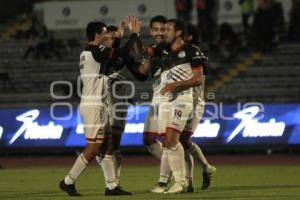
x=179 y=25
x=193 y=31
x=93 y=28
x=112 y=28
x=158 y=18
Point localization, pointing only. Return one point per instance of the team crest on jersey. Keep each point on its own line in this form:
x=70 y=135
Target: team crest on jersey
x=181 y=54
x=169 y=75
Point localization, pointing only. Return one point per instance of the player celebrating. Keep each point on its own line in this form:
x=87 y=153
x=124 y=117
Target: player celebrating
x=93 y=108
x=150 y=134
x=190 y=148
x=121 y=71
x=151 y=129
x=182 y=70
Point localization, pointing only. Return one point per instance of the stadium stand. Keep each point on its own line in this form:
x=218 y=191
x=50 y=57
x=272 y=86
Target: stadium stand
x=275 y=78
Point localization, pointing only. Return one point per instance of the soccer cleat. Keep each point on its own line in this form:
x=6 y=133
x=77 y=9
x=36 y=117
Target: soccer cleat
x=176 y=188
x=207 y=177
x=190 y=189
x=159 y=188
x=70 y=189
x=116 y=192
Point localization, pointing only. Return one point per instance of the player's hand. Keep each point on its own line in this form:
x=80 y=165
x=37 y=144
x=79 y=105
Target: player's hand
x=134 y=24
x=169 y=88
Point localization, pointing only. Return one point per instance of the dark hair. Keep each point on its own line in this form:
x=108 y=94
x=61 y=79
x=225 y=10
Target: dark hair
x=158 y=18
x=112 y=28
x=179 y=25
x=93 y=28
x=193 y=31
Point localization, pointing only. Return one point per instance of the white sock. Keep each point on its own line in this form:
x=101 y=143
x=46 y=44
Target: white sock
x=199 y=157
x=165 y=169
x=108 y=168
x=156 y=150
x=99 y=159
x=79 y=166
x=189 y=167
x=176 y=161
x=118 y=164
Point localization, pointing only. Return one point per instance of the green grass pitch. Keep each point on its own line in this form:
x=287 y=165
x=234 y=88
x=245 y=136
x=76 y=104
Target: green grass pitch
x=230 y=182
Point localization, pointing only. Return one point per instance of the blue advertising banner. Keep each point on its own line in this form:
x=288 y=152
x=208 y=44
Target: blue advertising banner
x=223 y=125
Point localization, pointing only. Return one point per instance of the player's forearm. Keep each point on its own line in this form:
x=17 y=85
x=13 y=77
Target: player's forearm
x=194 y=81
x=129 y=44
x=125 y=50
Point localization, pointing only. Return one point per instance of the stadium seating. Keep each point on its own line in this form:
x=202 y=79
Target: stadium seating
x=276 y=78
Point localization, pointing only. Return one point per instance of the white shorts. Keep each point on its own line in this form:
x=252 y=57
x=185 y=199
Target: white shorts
x=194 y=119
x=152 y=125
x=178 y=115
x=172 y=115
x=95 y=121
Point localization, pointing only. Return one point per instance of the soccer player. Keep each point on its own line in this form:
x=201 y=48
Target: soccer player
x=121 y=71
x=128 y=68
x=151 y=132
x=182 y=70
x=151 y=129
x=192 y=37
x=93 y=108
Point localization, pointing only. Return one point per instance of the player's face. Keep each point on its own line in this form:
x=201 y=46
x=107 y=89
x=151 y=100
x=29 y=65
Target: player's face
x=110 y=39
x=157 y=31
x=102 y=37
x=170 y=33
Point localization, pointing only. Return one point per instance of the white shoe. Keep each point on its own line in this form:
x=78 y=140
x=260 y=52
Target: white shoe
x=176 y=188
x=159 y=188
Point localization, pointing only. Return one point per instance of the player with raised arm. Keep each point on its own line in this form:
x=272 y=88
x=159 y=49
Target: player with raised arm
x=93 y=108
x=121 y=72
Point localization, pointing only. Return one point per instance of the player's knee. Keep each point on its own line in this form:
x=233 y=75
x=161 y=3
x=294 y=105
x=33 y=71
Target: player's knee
x=91 y=152
x=172 y=138
x=171 y=142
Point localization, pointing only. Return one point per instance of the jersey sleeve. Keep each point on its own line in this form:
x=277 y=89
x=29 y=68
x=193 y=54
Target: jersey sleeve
x=197 y=58
x=102 y=53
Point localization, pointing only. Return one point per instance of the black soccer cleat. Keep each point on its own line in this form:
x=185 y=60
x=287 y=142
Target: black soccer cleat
x=116 y=192
x=70 y=189
x=207 y=178
x=190 y=189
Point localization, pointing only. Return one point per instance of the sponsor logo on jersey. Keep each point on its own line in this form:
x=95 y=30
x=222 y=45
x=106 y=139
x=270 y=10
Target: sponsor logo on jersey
x=169 y=75
x=181 y=54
